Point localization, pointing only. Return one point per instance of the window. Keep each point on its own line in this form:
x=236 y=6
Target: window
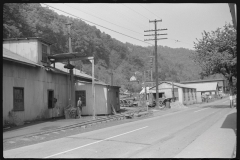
x=44 y=53
x=82 y=94
x=50 y=99
x=18 y=99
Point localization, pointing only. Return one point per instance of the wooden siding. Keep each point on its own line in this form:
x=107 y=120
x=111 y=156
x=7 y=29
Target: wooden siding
x=25 y=48
x=105 y=97
x=100 y=98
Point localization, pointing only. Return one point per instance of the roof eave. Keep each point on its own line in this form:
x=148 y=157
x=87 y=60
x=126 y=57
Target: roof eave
x=21 y=62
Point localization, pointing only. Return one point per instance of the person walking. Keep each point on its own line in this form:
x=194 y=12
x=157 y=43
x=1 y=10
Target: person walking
x=79 y=107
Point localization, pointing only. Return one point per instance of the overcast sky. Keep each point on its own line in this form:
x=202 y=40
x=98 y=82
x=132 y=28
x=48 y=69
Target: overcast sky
x=184 y=22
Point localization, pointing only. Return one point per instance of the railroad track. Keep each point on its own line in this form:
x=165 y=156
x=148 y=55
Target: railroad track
x=84 y=124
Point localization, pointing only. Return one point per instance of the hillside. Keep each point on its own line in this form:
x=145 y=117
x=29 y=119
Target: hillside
x=123 y=59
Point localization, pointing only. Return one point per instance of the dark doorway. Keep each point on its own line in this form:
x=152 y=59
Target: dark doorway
x=50 y=99
x=82 y=94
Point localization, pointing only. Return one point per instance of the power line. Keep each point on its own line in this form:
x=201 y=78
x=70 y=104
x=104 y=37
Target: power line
x=149 y=11
x=105 y=20
x=135 y=12
x=98 y=24
x=128 y=17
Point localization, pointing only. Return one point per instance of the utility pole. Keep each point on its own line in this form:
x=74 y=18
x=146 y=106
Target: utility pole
x=145 y=88
x=70 y=69
x=173 y=98
x=156 y=61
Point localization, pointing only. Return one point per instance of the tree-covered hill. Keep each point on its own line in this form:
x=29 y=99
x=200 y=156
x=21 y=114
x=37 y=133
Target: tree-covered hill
x=112 y=56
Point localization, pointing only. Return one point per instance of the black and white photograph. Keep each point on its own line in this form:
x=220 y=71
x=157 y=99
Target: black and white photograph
x=119 y=80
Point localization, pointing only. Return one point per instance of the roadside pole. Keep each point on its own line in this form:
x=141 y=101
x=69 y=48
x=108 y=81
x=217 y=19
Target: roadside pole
x=93 y=88
x=156 y=59
x=145 y=97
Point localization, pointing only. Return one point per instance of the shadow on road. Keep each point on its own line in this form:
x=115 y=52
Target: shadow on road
x=230 y=122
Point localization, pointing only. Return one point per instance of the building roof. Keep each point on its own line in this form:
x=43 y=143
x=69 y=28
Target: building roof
x=63 y=57
x=201 y=87
x=174 y=84
x=29 y=38
x=98 y=82
x=202 y=81
x=11 y=56
x=76 y=72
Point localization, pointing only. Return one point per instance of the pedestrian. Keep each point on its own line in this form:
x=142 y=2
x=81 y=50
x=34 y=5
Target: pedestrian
x=79 y=107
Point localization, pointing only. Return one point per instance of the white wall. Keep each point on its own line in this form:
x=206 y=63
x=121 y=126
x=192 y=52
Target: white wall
x=100 y=98
x=180 y=94
x=199 y=97
x=25 y=48
x=30 y=49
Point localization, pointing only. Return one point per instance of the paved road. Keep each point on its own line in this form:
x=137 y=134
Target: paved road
x=159 y=137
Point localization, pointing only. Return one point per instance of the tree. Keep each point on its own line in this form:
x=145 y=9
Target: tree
x=216 y=53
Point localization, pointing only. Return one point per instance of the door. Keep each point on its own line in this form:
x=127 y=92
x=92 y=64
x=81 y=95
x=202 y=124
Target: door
x=82 y=94
x=50 y=99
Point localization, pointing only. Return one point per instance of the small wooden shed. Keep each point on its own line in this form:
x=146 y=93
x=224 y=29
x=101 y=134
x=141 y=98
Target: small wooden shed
x=106 y=96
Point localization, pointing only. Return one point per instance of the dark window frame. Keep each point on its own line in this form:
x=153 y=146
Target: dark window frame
x=14 y=98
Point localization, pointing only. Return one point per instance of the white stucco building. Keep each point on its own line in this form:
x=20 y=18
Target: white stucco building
x=183 y=93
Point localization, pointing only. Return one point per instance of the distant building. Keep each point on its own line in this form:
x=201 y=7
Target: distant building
x=222 y=83
x=209 y=87
x=183 y=93
x=34 y=89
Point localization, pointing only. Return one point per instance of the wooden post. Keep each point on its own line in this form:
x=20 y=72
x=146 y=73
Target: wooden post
x=93 y=89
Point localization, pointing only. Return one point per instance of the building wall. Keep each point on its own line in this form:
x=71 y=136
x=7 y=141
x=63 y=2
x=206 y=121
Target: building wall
x=189 y=96
x=199 y=97
x=105 y=97
x=30 y=49
x=25 y=48
x=182 y=92
x=36 y=81
x=180 y=95
x=101 y=105
x=113 y=99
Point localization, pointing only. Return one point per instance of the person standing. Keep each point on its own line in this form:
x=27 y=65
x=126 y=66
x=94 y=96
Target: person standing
x=79 y=107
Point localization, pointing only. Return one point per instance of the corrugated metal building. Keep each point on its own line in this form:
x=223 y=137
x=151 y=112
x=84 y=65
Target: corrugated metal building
x=32 y=90
x=106 y=97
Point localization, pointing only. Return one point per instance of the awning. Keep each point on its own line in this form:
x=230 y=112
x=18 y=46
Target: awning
x=63 y=57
